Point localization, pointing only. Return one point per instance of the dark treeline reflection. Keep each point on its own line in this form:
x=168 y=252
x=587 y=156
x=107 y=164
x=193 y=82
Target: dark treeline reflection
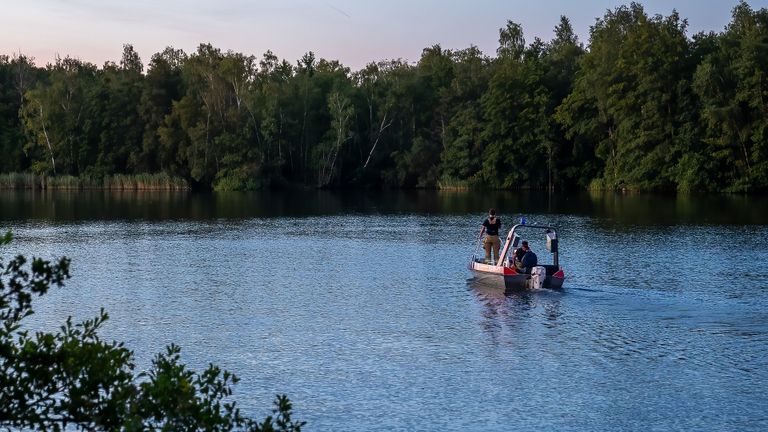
x=642 y=106
x=643 y=209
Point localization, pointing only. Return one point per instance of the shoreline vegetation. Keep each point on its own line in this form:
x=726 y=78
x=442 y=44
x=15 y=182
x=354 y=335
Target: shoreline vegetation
x=164 y=182
x=122 y=182
x=642 y=106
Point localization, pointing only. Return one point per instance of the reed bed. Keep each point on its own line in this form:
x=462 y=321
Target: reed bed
x=159 y=181
x=454 y=184
x=136 y=182
x=19 y=181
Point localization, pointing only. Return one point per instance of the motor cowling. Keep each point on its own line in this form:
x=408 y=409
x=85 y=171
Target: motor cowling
x=538 y=275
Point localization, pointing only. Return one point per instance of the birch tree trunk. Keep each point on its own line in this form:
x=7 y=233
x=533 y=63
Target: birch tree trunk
x=47 y=140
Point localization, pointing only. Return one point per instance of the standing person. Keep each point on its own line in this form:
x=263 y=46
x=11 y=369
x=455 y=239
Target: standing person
x=491 y=242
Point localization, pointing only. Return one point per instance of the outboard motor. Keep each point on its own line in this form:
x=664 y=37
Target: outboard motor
x=538 y=275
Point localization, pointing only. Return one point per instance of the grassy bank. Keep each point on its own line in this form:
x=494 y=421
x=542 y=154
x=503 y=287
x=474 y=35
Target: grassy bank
x=158 y=181
x=452 y=184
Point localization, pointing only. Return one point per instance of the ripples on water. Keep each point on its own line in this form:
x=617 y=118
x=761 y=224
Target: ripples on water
x=371 y=321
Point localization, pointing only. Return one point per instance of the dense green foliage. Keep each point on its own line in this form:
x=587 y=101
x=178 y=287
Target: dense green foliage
x=74 y=379
x=643 y=106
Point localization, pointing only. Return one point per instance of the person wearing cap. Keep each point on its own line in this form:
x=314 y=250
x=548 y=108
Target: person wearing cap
x=491 y=242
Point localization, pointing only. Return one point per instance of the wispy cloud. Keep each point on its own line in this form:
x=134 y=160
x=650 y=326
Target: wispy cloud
x=338 y=10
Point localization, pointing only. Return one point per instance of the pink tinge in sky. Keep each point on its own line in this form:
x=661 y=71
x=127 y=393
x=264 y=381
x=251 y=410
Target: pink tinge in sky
x=353 y=32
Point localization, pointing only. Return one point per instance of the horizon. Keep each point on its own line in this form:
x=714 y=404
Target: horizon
x=354 y=34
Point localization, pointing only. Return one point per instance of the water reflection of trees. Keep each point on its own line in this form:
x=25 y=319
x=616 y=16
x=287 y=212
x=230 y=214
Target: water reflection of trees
x=657 y=209
x=611 y=208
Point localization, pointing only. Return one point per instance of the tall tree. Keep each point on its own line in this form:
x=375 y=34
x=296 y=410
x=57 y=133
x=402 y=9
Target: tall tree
x=163 y=85
x=17 y=75
x=636 y=80
x=462 y=154
x=120 y=126
x=568 y=163
x=54 y=117
x=513 y=110
x=341 y=110
x=733 y=87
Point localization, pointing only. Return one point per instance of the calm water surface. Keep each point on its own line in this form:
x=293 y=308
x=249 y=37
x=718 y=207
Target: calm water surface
x=360 y=308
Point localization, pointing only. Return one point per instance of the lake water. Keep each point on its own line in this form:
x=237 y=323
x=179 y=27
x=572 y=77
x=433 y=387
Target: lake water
x=360 y=308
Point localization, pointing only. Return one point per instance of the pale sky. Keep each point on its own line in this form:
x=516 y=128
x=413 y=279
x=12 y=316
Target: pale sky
x=354 y=32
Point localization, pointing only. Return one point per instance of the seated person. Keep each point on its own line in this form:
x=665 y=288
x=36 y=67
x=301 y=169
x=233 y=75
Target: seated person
x=518 y=255
x=529 y=261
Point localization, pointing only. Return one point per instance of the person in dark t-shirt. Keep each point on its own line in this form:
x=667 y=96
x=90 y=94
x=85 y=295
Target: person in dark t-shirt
x=518 y=255
x=529 y=260
x=525 y=258
x=492 y=243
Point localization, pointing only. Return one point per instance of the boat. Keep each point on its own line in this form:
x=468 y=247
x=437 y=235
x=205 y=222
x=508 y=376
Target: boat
x=504 y=274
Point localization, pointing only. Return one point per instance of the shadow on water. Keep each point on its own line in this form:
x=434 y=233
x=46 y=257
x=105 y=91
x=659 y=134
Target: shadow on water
x=617 y=208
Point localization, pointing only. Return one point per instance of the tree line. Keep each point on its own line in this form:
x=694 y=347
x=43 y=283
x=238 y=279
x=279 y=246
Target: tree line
x=642 y=106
